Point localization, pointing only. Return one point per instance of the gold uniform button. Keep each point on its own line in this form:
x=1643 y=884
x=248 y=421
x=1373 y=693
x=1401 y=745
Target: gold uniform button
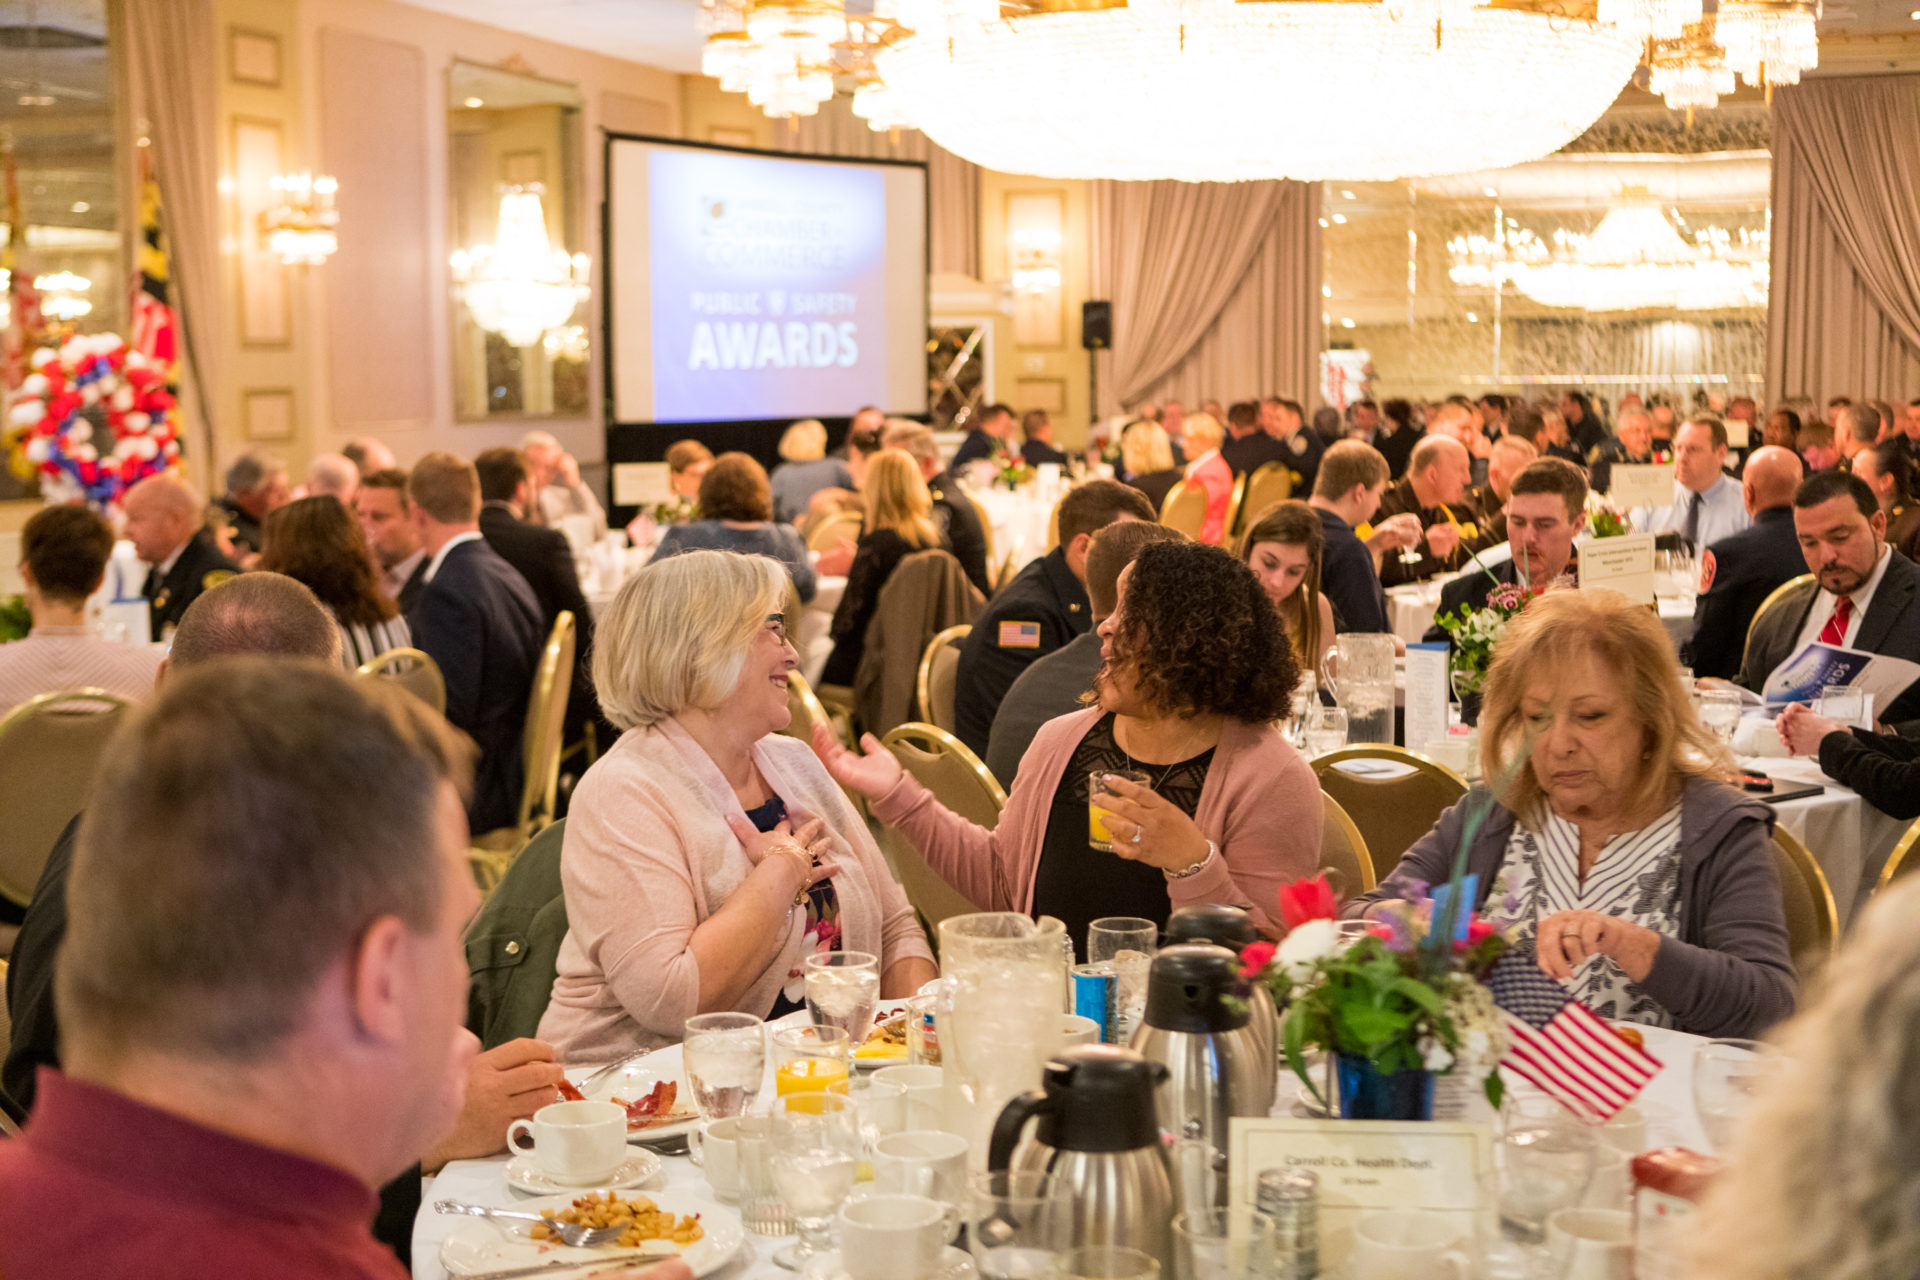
x=513 y=948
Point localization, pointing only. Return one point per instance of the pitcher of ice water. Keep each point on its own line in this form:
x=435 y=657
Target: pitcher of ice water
x=1358 y=671
x=998 y=1017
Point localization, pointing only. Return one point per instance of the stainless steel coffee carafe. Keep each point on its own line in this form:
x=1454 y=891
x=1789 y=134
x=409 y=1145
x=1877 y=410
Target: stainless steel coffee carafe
x=1233 y=928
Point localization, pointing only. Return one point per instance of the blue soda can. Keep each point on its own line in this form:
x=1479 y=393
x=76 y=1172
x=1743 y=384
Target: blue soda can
x=1095 y=996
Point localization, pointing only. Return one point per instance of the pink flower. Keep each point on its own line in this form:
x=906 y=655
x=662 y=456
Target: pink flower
x=1254 y=959
x=1478 y=931
x=1305 y=900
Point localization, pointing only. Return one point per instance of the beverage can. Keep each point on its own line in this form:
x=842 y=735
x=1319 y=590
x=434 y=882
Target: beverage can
x=1096 y=996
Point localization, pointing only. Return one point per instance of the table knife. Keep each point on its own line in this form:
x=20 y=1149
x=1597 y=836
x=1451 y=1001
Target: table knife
x=607 y=1263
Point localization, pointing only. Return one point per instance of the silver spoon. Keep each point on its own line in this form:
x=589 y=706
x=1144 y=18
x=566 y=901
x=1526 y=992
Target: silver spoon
x=570 y=1233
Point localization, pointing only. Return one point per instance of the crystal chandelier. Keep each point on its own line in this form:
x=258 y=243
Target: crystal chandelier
x=1691 y=71
x=302 y=225
x=520 y=286
x=1770 y=42
x=780 y=53
x=1651 y=19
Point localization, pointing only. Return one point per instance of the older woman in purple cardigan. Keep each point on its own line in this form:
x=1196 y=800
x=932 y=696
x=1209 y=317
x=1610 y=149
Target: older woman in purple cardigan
x=1645 y=883
x=1196 y=670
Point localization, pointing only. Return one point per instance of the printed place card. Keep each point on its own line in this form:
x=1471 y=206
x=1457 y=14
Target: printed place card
x=1620 y=564
x=640 y=484
x=1641 y=484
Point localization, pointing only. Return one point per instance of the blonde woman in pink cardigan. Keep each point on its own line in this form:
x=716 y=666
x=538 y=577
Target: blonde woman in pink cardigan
x=705 y=855
x=1196 y=669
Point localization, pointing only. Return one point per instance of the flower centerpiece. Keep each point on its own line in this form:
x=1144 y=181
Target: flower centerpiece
x=1013 y=470
x=1396 y=1007
x=1475 y=632
x=1605 y=519
x=96 y=417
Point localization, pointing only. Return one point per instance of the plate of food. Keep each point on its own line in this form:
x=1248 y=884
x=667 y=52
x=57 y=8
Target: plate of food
x=655 y=1225
x=886 y=1044
x=658 y=1102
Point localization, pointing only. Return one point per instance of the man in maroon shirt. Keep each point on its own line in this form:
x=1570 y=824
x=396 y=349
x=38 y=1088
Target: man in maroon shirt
x=261 y=990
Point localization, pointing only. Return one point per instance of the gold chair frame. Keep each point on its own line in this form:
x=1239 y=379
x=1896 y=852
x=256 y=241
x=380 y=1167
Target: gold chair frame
x=413 y=670
x=1175 y=513
x=542 y=737
x=930 y=893
x=1794 y=858
x=842 y=526
x=1901 y=860
x=1257 y=499
x=1234 y=502
x=923 y=679
x=1774 y=597
x=1432 y=771
x=1336 y=822
x=84 y=703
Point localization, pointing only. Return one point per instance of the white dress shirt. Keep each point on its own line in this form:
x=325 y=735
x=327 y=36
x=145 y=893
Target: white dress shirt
x=1824 y=603
x=440 y=556
x=1723 y=513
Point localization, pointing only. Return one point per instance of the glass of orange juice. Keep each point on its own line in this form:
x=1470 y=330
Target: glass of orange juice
x=811 y=1060
x=1097 y=834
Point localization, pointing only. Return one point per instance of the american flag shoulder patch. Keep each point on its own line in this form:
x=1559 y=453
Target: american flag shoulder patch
x=1019 y=635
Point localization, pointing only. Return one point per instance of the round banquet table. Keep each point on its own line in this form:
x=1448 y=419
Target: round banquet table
x=1411 y=608
x=1667 y=1102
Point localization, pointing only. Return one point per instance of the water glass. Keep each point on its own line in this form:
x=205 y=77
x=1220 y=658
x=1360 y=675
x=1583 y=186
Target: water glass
x=1726 y=1074
x=762 y=1211
x=1014 y=1227
x=1107 y=1262
x=1127 y=943
x=1326 y=730
x=1720 y=712
x=1223 y=1244
x=1546 y=1160
x=842 y=989
x=1848 y=706
x=923 y=1034
x=814 y=1160
x=725 y=1055
x=1097 y=834
x=811 y=1060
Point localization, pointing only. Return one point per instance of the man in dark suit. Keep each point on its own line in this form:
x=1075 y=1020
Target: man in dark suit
x=1865 y=595
x=478 y=619
x=1346 y=495
x=1249 y=447
x=1738 y=572
x=986 y=437
x=1039 y=448
x=953 y=512
x=1438 y=491
x=544 y=558
x=1545 y=512
x=165 y=524
x=386 y=517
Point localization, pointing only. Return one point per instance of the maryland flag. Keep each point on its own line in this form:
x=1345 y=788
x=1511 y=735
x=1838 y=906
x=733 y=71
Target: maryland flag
x=154 y=334
x=26 y=328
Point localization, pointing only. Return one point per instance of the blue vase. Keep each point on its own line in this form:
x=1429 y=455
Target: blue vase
x=1368 y=1093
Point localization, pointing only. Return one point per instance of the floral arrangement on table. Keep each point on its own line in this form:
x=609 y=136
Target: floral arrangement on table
x=96 y=417
x=1403 y=1003
x=1013 y=470
x=1604 y=519
x=1475 y=632
x=15 y=620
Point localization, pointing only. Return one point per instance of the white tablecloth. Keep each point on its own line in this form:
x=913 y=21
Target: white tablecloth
x=1848 y=837
x=1018 y=519
x=1410 y=610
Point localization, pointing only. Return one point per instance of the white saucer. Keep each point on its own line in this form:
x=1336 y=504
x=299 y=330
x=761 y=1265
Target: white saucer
x=639 y=1167
x=955 y=1264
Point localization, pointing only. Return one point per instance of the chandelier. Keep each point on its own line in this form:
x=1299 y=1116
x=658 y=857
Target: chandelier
x=301 y=225
x=788 y=56
x=1651 y=19
x=1690 y=71
x=1770 y=42
x=1634 y=260
x=520 y=286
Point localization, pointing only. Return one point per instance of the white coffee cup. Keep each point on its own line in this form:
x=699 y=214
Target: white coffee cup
x=713 y=1147
x=1627 y=1131
x=1075 y=1029
x=1590 y=1244
x=1398 y=1244
x=921 y=1162
x=1611 y=1184
x=923 y=1085
x=892 y=1237
x=574 y=1142
x=880 y=1104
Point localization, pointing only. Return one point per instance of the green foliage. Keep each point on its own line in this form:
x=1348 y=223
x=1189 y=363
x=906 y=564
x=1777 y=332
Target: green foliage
x=15 y=621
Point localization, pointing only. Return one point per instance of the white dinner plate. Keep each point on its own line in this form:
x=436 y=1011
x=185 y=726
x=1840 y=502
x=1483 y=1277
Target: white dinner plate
x=524 y=1174
x=880 y=1015
x=481 y=1245
x=634 y=1082
x=955 y=1264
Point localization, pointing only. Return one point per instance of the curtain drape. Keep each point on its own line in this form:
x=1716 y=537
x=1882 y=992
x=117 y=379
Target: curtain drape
x=172 y=45
x=953 y=184
x=1843 y=312
x=1215 y=289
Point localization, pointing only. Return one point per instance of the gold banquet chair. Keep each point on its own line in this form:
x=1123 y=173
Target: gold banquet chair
x=943 y=765
x=411 y=669
x=835 y=529
x=939 y=665
x=1185 y=509
x=1268 y=485
x=1235 y=505
x=1813 y=921
x=1390 y=810
x=1773 y=599
x=541 y=739
x=805 y=710
x=49 y=749
x=1901 y=860
x=1343 y=850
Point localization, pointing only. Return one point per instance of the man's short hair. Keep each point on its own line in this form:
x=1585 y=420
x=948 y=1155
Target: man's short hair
x=1091 y=507
x=1524 y=421
x=1715 y=428
x=1113 y=549
x=1517 y=444
x=1839 y=402
x=256 y=613
x=502 y=472
x=355 y=451
x=1495 y=401
x=389 y=478
x=1632 y=411
x=66 y=548
x=865 y=441
x=1824 y=486
x=1348 y=463
x=1430 y=449
x=243 y=834
x=446 y=487
x=1033 y=420
x=1555 y=476
x=1244 y=414
x=910 y=437
x=994 y=412
x=1861 y=421
x=251 y=470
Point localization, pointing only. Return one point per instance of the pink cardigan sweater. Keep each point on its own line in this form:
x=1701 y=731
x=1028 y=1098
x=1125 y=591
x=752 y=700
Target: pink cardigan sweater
x=648 y=856
x=1260 y=807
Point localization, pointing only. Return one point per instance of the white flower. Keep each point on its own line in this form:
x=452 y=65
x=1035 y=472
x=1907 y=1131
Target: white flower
x=1305 y=944
x=1434 y=1055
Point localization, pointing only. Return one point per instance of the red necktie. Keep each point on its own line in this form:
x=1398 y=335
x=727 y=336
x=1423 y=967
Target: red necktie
x=1835 y=632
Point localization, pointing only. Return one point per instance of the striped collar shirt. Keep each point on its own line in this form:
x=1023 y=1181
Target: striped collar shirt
x=54 y=659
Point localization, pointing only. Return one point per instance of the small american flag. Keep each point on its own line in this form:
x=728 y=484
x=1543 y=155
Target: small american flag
x=1560 y=1045
x=1019 y=635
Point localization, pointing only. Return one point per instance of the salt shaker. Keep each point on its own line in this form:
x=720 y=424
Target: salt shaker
x=1291 y=1197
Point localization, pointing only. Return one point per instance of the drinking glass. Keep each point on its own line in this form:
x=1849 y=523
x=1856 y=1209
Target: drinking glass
x=923 y=1036
x=1107 y=1262
x=1546 y=1158
x=1097 y=833
x=1326 y=730
x=1223 y=1244
x=815 y=1152
x=762 y=1211
x=1720 y=712
x=726 y=1059
x=811 y=1060
x=842 y=989
x=1848 y=706
x=1014 y=1227
x=1127 y=943
x=1726 y=1073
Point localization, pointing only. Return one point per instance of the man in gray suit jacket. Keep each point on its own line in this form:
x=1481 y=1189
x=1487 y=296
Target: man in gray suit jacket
x=1865 y=594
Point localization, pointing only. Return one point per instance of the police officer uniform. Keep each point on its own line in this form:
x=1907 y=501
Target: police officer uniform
x=958 y=522
x=1903 y=528
x=1465 y=515
x=246 y=530
x=199 y=565
x=1037 y=613
x=1736 y=574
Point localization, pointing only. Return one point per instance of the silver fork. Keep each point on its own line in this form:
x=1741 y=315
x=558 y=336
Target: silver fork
x=612 y=1067
x=570 y=1233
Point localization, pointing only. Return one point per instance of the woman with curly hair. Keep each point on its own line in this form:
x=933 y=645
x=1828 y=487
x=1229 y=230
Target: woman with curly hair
x=317 y=542
x=1195 y=670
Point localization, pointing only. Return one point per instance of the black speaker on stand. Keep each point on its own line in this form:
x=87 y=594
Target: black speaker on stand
x=1096 y=335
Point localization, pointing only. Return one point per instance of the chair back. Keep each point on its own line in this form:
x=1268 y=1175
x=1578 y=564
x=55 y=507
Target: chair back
x=49 y=750
x=805 y=710
x=7 y=1127
x=1901 y=860
x=1391 y=810
x=1774 y=597
x=943 y=765
x=1813 y=921
x=1343 y=850
x=545 y=732
x=513 y=944
x=938 y=668
x=1185 y=508
x=841 y=527
x=1235 y=499
x=1269 y=483
x=926 y=593
x=413 y=670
